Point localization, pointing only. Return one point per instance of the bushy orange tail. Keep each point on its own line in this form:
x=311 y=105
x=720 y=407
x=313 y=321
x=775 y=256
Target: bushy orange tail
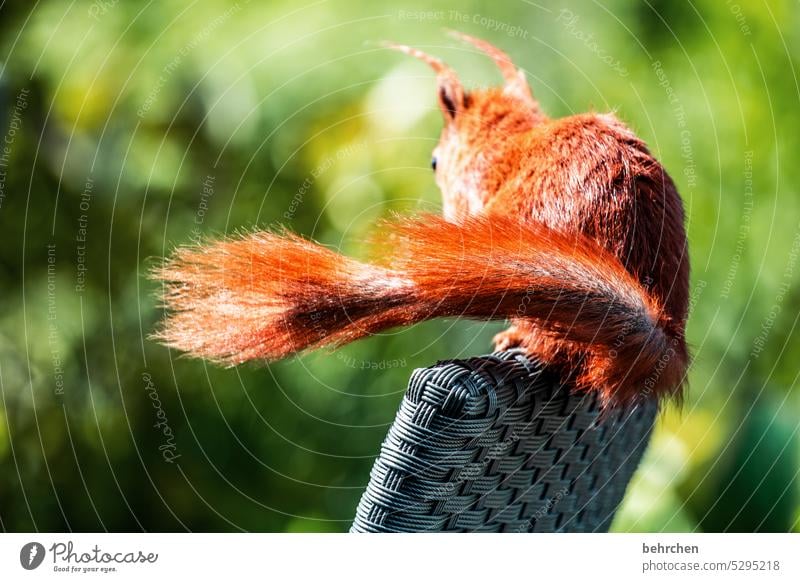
x=269 y=295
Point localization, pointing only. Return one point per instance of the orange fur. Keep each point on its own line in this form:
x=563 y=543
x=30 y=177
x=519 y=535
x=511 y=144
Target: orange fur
x=568 y=227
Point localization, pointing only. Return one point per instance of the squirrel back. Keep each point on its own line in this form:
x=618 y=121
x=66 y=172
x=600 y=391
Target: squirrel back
x=568 y=227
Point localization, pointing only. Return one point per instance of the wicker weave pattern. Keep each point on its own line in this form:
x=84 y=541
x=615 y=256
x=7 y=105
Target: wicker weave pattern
x=494 y=444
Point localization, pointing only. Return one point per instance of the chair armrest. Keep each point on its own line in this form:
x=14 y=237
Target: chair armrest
x=496 y=444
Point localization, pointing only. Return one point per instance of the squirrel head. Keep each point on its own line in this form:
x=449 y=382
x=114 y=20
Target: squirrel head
x=478 y=138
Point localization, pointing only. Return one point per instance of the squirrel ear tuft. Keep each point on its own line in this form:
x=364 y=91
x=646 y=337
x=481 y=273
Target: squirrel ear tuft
x=514 y=77
x=451 y=92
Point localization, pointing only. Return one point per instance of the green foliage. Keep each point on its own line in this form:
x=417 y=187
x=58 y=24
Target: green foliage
x=139 y=128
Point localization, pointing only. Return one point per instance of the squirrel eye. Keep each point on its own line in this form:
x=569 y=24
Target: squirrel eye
x=433 y=163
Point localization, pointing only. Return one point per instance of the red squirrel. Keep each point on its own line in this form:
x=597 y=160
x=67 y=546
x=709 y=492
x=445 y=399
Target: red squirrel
x=568 y=227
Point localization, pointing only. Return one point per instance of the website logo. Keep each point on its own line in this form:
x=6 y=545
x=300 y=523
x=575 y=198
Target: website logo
x=31 y=555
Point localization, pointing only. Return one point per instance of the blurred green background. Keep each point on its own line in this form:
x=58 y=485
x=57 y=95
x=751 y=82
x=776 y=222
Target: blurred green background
x=131 y=127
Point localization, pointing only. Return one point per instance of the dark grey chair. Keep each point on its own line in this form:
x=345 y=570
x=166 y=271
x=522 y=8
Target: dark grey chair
x=494 y=444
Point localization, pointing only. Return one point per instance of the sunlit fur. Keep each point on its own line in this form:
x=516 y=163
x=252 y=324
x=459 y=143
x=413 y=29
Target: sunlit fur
x=568 y=227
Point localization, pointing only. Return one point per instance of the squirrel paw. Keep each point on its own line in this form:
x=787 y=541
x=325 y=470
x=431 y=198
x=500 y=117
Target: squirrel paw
x=508 y=339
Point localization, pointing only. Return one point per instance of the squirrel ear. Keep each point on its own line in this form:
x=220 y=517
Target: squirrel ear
x=451 y=92
x=514 y=77
x=451 y=97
